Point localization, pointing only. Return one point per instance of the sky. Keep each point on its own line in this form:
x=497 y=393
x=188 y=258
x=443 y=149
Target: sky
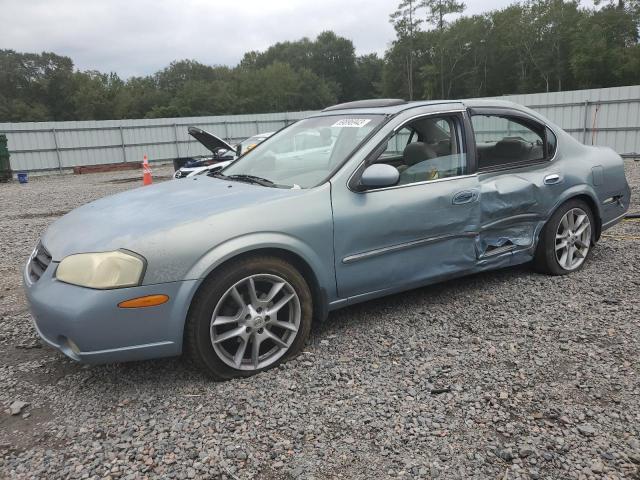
x=140 y=37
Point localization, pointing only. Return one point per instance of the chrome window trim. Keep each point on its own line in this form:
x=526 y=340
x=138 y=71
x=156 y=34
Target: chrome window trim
x=394 y=131
x=423 y=182
x=356 y=257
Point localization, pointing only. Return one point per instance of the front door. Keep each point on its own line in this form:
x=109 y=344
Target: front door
x=420 y=230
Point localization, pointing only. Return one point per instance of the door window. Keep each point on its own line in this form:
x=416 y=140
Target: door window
x=503 y=140
x=425 y=149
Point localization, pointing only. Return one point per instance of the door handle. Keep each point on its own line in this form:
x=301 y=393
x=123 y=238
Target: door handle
x=465 y=196
x=552 y=179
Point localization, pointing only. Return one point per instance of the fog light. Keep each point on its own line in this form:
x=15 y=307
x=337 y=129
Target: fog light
x=146 y=301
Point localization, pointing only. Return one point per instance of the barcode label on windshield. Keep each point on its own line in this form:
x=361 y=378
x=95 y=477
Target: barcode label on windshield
x=352 y=122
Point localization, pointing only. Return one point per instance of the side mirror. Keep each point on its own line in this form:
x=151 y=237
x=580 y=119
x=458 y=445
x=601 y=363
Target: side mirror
x=238 y=150
x=379 y=175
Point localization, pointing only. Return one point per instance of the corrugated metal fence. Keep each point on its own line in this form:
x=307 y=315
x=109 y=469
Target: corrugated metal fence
x=62 y=145
x=603 y=116
x=607 y=116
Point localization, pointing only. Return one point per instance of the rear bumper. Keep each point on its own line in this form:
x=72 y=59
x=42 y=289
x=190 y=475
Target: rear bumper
x=87 y=325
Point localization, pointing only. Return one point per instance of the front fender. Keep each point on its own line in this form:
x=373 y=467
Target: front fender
x=257 y=241
x=234 y=247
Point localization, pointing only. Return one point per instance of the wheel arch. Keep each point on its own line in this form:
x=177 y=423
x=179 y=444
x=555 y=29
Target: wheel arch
x=587 y=195
x=226 y=254
x=318 y=293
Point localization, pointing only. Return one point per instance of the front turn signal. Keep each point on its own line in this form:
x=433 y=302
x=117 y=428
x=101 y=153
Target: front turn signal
x=146 y=301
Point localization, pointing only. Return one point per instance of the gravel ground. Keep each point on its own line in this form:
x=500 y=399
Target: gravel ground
x=504 y=375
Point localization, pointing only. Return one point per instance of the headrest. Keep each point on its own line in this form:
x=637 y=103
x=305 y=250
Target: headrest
x=510 y=147
x=417 y=152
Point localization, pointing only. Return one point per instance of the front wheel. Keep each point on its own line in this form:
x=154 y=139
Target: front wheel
x=248 y=317
x=566 y=239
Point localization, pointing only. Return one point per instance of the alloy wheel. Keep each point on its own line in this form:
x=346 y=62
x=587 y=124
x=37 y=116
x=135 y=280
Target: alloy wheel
x=573 y=239
x=255 y=322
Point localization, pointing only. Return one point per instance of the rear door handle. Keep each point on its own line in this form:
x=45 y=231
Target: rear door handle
x=465 y=196
x=552 y=179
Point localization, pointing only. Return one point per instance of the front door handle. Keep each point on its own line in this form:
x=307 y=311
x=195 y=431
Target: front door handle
x=552 y=179
x=465 y=196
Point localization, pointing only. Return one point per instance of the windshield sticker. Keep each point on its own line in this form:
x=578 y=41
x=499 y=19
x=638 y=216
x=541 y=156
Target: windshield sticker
x=351 y=122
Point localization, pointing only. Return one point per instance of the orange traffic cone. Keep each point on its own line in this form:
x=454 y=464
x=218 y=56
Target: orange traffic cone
x=146 y=171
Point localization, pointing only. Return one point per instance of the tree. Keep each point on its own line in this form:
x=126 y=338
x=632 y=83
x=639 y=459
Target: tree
x=436 y=11
x=36 y=86
x=333 y=59
x=94 y=94
x=605 y=49
x=279 y=87
x=406 y=24
x=329 y=56
x=138 y=97
x=180 y=72
x=368 y=80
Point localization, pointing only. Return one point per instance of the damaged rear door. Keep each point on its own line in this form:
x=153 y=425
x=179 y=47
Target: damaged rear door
x=517 y=181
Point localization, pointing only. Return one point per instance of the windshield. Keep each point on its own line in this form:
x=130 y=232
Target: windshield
x=305 y=153
x=248 y=143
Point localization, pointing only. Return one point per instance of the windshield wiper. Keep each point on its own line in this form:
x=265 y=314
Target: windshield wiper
x=252 y=179
x=249 y=179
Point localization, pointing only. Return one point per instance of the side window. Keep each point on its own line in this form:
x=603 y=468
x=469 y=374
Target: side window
x=428 y=148
x=552 y=143
x=506 y=140
x=397 y=144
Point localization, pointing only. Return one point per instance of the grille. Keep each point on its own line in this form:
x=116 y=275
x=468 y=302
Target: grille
x=38 y=263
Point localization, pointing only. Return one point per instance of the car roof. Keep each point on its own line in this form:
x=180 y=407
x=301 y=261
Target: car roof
x=393 y=106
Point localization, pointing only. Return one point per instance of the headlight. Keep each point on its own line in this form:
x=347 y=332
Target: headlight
x=102 y=270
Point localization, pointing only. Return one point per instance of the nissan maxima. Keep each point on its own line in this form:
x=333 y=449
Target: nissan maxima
x=233 y=267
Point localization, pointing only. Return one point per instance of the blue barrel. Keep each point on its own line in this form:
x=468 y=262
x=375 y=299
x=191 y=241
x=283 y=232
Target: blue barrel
x=23 y=177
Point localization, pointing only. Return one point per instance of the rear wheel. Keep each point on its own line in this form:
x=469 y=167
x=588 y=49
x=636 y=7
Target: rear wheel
x=566 y=240
x=248 y=317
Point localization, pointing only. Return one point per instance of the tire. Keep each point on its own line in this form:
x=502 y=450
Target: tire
x=556 y=238
x=220 y=333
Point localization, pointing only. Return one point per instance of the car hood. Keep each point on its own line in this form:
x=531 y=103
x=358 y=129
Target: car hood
x=209 y=140
x=137 y=218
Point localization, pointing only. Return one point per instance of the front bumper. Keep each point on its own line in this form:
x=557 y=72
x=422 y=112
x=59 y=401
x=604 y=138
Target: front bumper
x=87 y=325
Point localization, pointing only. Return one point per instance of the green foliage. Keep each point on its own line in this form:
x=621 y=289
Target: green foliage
x=297 y=75
x=533 y=46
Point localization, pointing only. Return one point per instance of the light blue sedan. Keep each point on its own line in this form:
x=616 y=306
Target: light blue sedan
x=382 y=196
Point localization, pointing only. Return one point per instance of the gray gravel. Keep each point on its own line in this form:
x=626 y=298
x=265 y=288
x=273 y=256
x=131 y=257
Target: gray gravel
x=506 y=374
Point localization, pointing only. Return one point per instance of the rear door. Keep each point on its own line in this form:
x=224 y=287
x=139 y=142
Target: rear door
x=518 y=181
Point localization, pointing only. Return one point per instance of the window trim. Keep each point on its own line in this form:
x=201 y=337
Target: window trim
x=461 y=121
x=506 y=112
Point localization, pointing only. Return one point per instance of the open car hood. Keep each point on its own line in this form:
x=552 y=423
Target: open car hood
x=210 y=141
